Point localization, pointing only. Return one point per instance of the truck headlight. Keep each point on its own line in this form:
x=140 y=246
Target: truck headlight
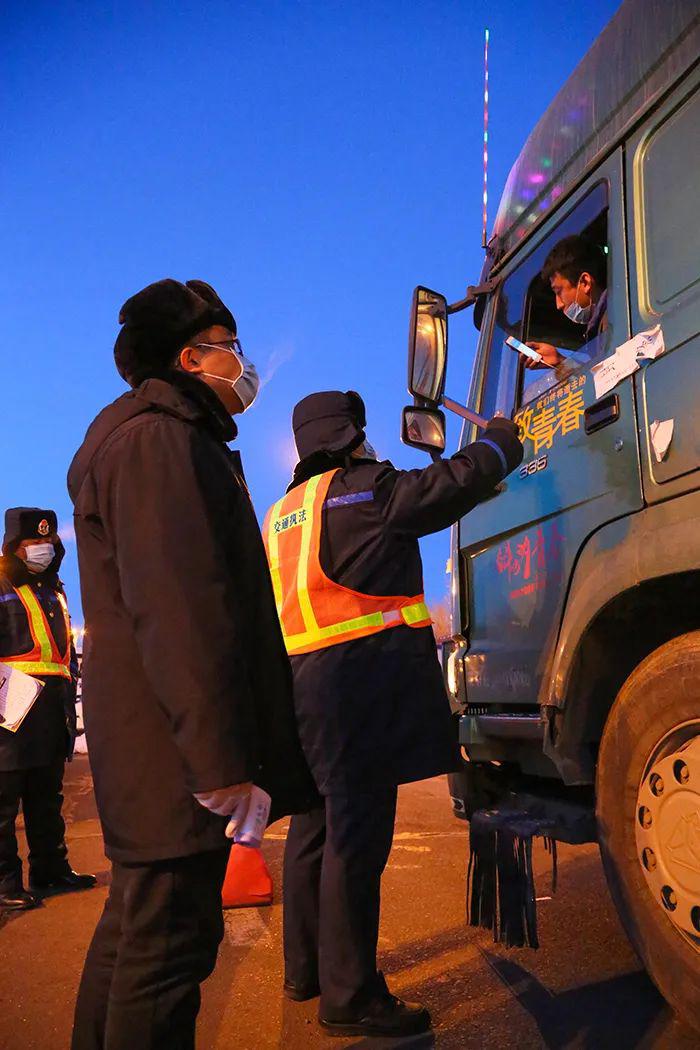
x=454 y=652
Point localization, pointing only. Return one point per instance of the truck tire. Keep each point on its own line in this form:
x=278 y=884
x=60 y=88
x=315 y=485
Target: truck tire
x=648 y=816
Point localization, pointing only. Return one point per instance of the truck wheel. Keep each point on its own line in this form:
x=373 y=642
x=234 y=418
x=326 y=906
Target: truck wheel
x=648 y=814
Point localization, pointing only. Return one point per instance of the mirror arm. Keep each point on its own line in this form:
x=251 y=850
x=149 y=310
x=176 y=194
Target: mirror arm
x=473 y=293
x=465 y=413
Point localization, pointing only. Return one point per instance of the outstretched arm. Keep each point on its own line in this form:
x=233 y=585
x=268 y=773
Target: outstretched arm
x=418 y=502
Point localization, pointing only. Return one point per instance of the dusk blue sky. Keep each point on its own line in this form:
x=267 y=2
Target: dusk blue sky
x=312 y=160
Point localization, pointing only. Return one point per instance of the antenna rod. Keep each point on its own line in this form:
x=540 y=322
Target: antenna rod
x=484 y=224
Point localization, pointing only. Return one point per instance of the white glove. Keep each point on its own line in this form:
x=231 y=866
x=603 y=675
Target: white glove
x=249 y=819
x=224 y=801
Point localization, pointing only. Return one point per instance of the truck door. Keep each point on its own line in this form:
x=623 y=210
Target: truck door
x=664 y=196
x=581 y=465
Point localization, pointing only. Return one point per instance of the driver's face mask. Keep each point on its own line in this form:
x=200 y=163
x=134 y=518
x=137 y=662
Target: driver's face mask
x=577 y=313
x=247 y=384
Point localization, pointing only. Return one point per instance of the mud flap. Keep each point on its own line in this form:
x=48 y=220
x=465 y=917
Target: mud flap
x=500 y=879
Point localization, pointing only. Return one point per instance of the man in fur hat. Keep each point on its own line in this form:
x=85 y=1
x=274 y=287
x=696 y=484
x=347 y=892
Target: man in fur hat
x=35 y=639
x=187 y=691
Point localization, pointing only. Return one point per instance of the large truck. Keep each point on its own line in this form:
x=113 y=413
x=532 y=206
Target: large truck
x=574 y=665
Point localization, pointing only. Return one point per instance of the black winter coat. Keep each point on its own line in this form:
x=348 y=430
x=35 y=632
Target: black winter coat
x=48 y=732
x=186 y=683
x=373 y=711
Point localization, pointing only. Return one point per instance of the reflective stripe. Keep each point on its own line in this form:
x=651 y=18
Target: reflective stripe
x=416 y=613
x=38 y=668
x=307 y=611
x=46 y=664
x=38 y=624
x=305 y=596
x=352 y=497
x=273 y=554
x=411 y=615
x=496 y=448
x=296 y=641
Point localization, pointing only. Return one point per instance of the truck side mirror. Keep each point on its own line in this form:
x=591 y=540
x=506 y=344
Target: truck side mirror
x=427 y=346
x=423 y=428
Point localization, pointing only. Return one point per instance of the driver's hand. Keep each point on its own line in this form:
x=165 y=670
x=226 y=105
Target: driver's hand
x=550 y=355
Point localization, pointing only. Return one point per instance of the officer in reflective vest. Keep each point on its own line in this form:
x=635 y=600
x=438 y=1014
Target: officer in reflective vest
x=35 y=638
x=369 y=697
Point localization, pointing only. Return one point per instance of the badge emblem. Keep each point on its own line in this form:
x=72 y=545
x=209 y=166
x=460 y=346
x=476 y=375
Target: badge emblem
x=43 y=528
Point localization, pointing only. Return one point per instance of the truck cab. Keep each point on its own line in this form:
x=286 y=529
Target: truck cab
x=574 y=666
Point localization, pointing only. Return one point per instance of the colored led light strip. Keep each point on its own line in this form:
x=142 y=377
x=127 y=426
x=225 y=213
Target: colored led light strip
x=484 y=224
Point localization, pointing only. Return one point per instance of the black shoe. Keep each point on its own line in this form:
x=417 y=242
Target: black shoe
x=66 y=883
x=18 y=900
x=386 y=1016
x=301 y=993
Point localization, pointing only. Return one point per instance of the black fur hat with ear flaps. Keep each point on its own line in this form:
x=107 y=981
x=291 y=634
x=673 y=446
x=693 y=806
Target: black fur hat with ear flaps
x=158 y=321
x=27 y=523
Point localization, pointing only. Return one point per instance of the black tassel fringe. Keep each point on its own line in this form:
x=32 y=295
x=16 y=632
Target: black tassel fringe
x=500 y=879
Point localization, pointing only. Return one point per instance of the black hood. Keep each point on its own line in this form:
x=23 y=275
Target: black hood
x=176 y=393
x=330 y=422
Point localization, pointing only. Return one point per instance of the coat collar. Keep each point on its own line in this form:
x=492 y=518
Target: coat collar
x=186 y=396
x=176 y=393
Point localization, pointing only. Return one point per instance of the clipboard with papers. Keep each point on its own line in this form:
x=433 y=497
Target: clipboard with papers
x=18 y=691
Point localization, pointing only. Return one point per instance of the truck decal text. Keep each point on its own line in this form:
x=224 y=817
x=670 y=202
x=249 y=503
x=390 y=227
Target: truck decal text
x=560 y=412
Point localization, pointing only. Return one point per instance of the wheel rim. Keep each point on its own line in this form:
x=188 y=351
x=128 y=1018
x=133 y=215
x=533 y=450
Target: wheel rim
x=667 y=827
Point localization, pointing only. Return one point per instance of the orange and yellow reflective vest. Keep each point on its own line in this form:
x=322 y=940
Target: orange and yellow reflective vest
x=44 y=657
x=314 y=611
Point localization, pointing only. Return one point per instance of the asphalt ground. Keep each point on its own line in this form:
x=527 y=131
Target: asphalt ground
x=583 y=988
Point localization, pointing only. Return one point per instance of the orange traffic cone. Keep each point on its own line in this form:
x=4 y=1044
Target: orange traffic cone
x=248 y=882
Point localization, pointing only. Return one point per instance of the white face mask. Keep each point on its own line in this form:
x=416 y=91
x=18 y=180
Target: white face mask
x=248 y=383
x=577 y=313
x=39 y=556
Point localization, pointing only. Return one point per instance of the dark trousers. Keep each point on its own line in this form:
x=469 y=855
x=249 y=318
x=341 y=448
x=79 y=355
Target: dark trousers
x=333 y=866
x=40 y=793
x=156 y=941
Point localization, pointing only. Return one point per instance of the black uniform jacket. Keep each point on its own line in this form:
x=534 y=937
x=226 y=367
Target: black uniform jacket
x=186 y=683
x=374 y=711
x=47 y=733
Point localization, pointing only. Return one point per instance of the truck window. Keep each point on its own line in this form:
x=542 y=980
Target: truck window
x=527 y=308
x=578 y=242
x=669 y=178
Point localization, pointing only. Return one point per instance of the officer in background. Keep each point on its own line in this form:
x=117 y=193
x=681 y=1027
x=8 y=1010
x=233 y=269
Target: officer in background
x=369 y=696
x=35 y=638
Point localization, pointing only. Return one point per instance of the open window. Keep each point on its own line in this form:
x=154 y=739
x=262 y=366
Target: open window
x=528 y=309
